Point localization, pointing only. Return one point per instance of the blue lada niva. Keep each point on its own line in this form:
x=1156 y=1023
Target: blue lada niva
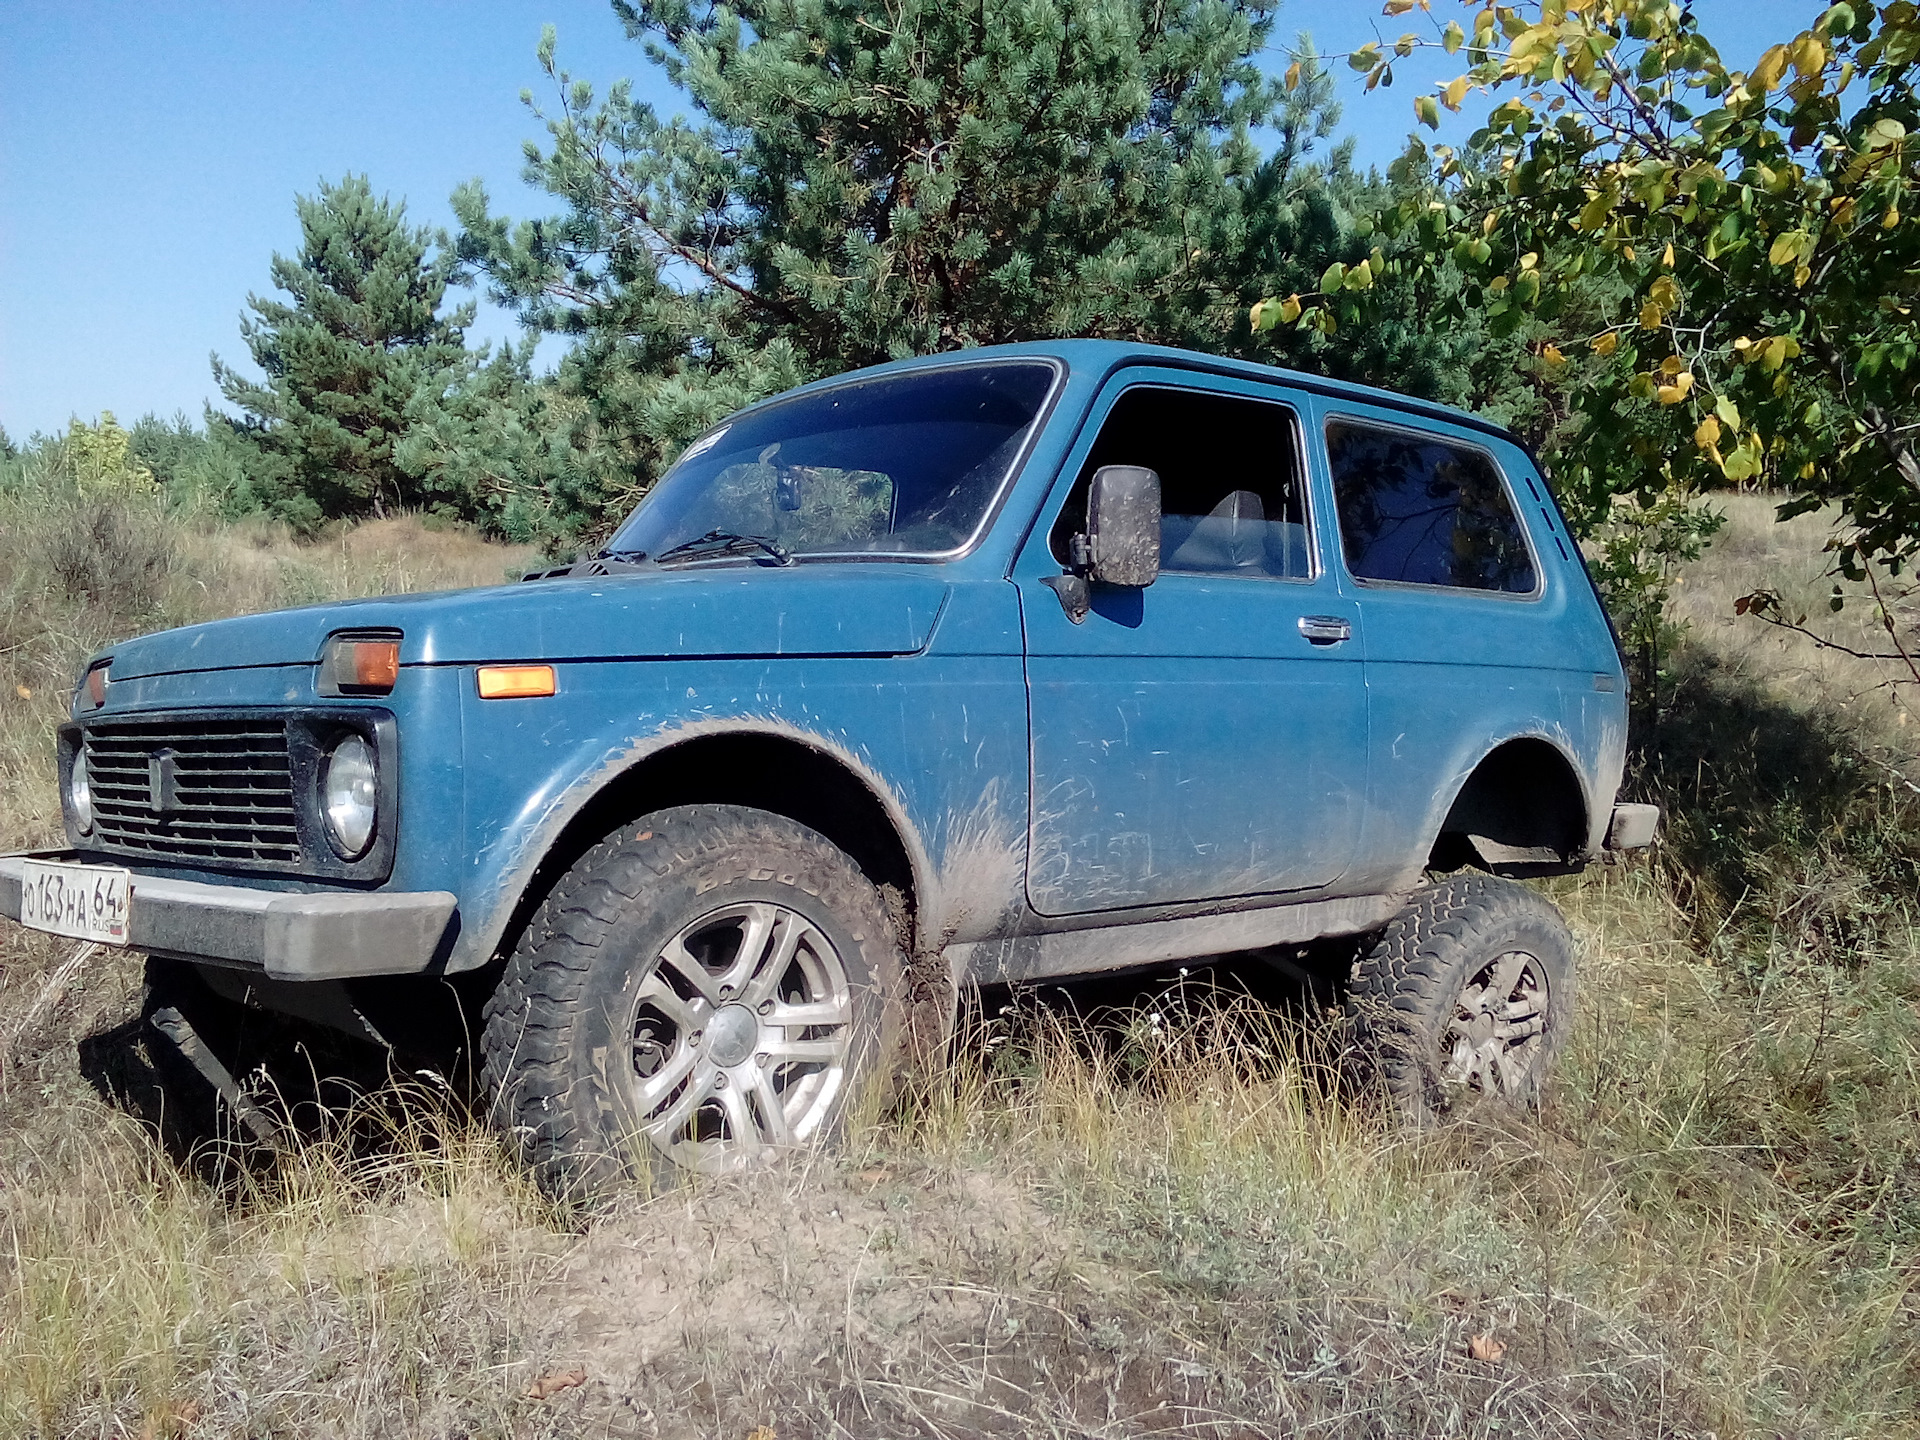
x=1027 y=662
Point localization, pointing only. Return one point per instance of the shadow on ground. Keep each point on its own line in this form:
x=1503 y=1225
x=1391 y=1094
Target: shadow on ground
x=296 y=1081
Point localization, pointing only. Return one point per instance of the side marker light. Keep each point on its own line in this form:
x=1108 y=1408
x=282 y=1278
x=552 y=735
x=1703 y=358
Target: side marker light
x=516 y=682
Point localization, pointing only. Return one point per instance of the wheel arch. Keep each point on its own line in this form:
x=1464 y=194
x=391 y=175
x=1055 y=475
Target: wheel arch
x=1522 y=810
x=763 y=765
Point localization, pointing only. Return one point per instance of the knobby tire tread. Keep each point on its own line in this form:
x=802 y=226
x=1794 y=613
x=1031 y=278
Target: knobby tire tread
x=545 y=1100
x=1402 y=989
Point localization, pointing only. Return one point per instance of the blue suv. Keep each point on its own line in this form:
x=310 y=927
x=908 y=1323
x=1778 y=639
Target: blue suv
x=1035 y=661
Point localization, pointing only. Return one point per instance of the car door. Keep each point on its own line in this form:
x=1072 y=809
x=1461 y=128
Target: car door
x=1204 y=737
x=1467 y=639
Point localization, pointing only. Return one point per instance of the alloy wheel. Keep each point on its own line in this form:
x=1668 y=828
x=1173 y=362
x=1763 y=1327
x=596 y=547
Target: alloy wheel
x=742 y=1035
x=1493 y=1041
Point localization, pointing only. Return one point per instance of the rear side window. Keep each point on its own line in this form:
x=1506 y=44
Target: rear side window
x=1231 y=498
x=1417 y=510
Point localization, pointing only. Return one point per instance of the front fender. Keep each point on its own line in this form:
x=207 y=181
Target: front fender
x=937 y=742
x=506 y=870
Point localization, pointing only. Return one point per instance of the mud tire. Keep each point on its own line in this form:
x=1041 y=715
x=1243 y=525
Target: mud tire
x=1409 y=988
x=552 y=1043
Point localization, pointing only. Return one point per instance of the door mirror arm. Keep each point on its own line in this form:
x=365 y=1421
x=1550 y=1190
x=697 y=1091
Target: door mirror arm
x=1076 y=596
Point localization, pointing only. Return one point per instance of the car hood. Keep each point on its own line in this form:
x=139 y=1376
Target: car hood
x=732 y=610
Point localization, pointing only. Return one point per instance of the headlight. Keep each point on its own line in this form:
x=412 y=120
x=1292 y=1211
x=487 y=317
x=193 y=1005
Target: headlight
x=349 y=790
x=80 y=793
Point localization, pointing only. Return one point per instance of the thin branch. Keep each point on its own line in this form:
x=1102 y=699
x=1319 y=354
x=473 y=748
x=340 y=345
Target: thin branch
x=1824 y=642
x=1886 y=621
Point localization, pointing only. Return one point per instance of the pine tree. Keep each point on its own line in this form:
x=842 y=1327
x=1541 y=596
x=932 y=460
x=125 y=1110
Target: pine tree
x=358 y=352
x=869 y=180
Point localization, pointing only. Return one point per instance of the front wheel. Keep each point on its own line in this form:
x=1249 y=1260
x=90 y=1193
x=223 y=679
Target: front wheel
x=708 y=987
x=1467 y=994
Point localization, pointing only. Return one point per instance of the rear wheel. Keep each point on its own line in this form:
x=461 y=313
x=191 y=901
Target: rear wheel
x=1468 y=994
x=707 y=988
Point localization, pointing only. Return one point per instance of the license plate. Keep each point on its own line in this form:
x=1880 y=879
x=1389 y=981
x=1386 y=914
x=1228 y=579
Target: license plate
x=87 y=902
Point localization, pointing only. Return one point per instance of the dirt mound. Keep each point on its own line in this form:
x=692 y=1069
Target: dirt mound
x=767 y=1289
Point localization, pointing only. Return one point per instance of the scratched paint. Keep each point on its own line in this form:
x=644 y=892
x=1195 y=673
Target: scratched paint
x=1186 y=758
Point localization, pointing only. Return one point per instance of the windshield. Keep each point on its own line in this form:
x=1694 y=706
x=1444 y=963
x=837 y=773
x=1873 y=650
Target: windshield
x=905 y=464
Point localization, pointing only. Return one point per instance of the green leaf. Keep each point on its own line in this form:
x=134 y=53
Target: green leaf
x=1453 y=37
x=1427 y=109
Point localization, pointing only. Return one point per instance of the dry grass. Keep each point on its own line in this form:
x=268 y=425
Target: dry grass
x=1755 y=552
x=1167 y=1219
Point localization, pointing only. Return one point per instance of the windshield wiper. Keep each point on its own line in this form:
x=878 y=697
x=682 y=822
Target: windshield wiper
x=725 y=542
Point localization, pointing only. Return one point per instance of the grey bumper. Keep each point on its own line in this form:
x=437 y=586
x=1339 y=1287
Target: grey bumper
x=1633 y=827
x=327 y=936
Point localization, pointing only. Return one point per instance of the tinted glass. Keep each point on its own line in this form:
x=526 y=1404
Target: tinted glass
x=905 y=464
x=1418 y=510
x=1230 y=494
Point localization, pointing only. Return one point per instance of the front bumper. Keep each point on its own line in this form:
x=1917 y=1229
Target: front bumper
x=289 y=936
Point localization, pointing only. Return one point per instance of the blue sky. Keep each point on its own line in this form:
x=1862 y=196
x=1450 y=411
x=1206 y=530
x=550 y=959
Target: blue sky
x=150 y=153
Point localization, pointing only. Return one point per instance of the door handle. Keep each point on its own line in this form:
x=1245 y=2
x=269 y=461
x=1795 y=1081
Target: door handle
x=1326 y=629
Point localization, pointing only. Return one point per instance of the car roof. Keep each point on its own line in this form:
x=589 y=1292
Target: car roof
x=1105 y=356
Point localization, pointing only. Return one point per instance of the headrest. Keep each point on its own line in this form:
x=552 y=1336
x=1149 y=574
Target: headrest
x=1240 y=505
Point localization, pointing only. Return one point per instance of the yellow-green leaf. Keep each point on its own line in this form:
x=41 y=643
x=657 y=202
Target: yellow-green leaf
x=1427 y=110
x=1789 y=246
x=1768 y=71
x=1453 y=37
x=1884 y=135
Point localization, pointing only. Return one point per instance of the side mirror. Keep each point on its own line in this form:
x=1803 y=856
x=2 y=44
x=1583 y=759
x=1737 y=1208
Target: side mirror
x=1123 y=526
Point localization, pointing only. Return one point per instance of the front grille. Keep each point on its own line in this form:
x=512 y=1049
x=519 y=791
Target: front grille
x=209 y=790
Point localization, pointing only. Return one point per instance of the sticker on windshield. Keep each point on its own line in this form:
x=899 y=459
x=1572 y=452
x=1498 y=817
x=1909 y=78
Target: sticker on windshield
x=701 y=446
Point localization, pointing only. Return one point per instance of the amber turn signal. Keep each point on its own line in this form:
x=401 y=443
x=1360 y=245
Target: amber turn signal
x=376 y=664
x=364 y=667
x=515 y=682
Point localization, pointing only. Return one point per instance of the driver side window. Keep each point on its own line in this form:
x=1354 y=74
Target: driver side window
x=1232 y=498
